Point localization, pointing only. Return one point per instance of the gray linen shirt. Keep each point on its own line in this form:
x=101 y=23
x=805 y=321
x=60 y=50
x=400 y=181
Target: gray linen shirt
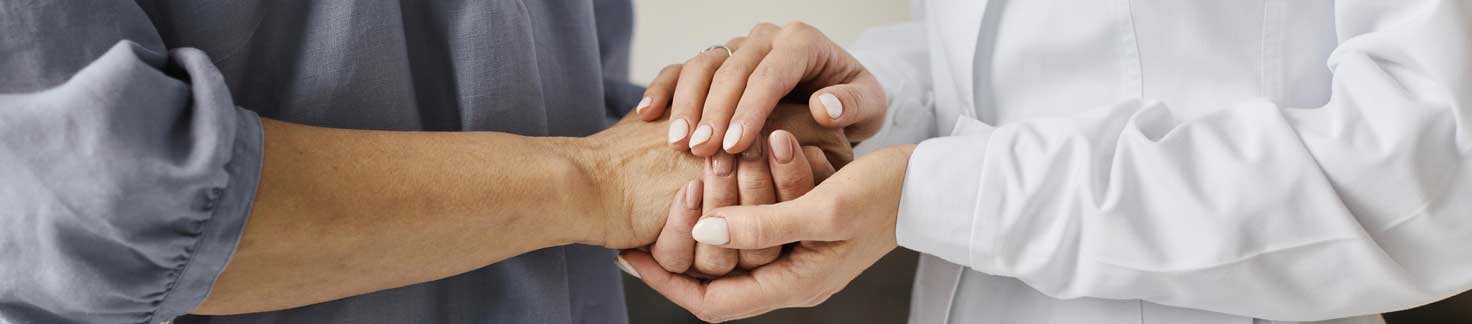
x=130 y=146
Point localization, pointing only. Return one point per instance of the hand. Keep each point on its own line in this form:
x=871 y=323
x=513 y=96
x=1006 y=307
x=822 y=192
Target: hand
x=729 y=98
x=633 y=174
x=844 y=226
x=784 y=174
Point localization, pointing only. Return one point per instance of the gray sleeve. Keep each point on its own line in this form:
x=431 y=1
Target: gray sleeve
x=615 y=22
x=126 y=173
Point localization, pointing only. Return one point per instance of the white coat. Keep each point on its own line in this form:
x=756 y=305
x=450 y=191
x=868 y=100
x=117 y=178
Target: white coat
x=1181 y=161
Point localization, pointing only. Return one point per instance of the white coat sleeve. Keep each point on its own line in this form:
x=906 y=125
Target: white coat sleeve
x=897 y=55
x=1360 y=206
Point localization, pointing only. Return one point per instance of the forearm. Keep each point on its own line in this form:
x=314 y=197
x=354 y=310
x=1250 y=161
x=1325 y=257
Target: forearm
x=347 y=212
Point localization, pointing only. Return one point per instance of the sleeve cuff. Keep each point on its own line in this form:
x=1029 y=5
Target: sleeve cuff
x=219 y=234
x=229 y=206
x=937 y=212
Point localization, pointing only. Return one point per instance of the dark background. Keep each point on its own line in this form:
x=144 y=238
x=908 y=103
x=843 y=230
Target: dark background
x=882 y=295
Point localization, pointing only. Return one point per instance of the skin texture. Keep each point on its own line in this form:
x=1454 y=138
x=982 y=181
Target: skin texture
x=842 y=227
x=721 y=91
x=346 y=212
x=717 y=93
x=761 y=179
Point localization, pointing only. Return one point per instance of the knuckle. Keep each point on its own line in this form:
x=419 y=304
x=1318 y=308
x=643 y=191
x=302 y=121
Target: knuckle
x=789 y=184
x=799 y=35
x=764 y=28
x=715 y=265
x=797 y=26
x=672 y=262
x=760 y=234
x=754 y=183
x=671 y=68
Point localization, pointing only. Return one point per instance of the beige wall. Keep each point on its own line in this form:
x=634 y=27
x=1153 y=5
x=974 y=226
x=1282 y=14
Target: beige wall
x=670 y=31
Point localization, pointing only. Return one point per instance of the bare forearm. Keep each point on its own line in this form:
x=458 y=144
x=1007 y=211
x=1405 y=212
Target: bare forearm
x=347 y=212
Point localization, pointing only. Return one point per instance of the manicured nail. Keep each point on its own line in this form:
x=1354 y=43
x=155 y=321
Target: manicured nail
x=701 y=135
x=722 y=164
x=711 y=230
x=832 y=105
x=780 y=149
x=619 y=261
x=733 y=135
x=678 y=129
x=753 y=152
x=692 y=195
x=643 y=103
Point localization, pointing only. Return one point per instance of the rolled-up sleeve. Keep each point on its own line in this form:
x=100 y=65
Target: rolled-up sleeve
x=123 y=189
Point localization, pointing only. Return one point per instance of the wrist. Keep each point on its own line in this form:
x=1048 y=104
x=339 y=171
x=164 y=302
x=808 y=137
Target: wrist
x=586 y=180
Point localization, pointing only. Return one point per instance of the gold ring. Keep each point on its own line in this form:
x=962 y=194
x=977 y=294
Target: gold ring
x=728 y=50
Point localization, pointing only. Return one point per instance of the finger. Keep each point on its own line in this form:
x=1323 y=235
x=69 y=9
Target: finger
x=754 y=181
x=720 y=190
x=783 y=283
x=739 y=297
x=675 y=249
x=822 y=168
x=732 y=297
x=689 y=98
x=657 y=97
x=798 y=53
x=764 y=226
x=857 y=106
x=683 y=290
x=791 y=173
x=726 y=88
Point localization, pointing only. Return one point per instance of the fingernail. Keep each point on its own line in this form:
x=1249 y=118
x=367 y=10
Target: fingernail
x=722 y=164
x=678 y=128
x=753 y=152
x=692 y=195
x=701 y=135
x=618 y=260
x=711 y=230
x=780 y=149
x=733 y=135
x=643 y=103
x=831 y=104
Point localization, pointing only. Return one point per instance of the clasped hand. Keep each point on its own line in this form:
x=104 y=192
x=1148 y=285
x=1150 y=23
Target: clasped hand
x=754 y=234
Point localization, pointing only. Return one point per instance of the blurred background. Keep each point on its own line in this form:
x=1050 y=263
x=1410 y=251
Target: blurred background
x=671 y=31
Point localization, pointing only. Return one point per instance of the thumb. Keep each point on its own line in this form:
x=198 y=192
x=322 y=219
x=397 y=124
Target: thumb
x=764 y=226
x=858 y=106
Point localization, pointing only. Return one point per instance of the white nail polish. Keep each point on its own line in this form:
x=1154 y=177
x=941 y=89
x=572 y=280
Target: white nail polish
x=733 y=135
x=711 y=230
x=701 y=135
x=678 y=128
x=618 y=260
x=832 y=105
x=643 y=103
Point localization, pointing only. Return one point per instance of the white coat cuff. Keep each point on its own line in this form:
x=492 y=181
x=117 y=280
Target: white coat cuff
x=937 y=212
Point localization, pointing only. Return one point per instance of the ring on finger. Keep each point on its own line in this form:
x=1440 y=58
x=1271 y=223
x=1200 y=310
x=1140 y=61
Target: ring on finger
x=728 y=49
